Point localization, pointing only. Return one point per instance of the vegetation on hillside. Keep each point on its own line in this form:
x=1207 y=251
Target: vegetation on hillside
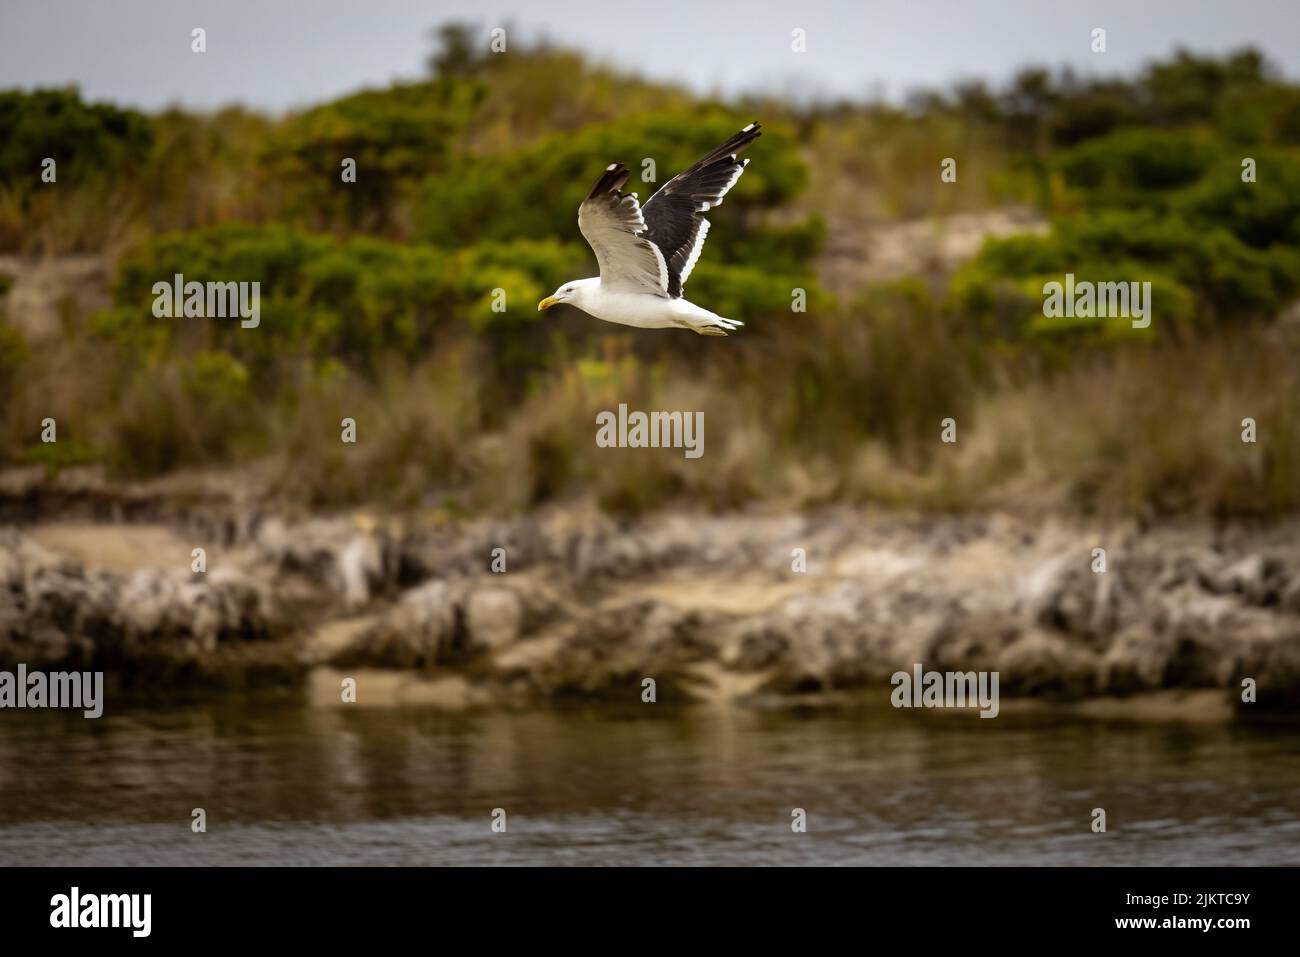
x=382 y=299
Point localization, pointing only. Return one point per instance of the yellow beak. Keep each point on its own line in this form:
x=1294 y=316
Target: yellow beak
x=547 y=303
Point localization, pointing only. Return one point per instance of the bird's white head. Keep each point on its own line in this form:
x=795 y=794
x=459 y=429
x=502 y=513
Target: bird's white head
x=574 y=292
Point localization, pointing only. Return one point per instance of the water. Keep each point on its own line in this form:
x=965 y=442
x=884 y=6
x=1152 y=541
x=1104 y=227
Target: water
x=284 y=782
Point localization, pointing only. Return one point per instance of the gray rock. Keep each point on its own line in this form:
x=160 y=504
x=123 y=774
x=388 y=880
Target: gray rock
x=54 y=610
x=494 y=618
x=591 y=606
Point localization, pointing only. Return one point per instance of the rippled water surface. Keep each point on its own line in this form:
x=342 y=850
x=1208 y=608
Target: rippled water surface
x=287 y=783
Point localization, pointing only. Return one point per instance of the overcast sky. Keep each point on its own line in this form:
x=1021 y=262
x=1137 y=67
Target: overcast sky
x=277 y=54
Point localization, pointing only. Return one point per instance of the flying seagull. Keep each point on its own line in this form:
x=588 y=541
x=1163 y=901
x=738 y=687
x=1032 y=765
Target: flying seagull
x=646 y=254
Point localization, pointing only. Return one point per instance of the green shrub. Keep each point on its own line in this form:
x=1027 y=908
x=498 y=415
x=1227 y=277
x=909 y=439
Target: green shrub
x=535 y=192
x=350 y=299
x=96 y=147
x=396 y=135
x=1135 y=165
x=1261 y=214
x=1228 y=279
x=85 y=139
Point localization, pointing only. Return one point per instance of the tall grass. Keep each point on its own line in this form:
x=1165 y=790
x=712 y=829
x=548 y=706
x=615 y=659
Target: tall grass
x=843 y=405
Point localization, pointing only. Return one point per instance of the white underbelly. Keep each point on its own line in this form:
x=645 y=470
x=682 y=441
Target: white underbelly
x=640 y=310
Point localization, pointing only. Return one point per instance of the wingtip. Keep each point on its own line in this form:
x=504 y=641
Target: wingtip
x=611 y=180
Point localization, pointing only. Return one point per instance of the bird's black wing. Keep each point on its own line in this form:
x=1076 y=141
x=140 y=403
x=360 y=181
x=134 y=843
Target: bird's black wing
x=673 y=215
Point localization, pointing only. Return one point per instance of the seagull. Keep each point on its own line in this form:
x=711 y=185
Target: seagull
x=646 y=254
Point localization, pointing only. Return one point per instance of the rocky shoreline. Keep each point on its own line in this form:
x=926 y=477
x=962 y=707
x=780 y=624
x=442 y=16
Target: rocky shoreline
x=570 y=602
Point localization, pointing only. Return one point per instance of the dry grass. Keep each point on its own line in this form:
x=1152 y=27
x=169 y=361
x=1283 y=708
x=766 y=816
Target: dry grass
x=843 y=407
x=1150 y=432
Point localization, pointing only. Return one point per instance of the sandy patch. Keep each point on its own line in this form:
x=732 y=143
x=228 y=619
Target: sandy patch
x=120 y=548
x=332 y=637
x=733 y=594
x=378 y=688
